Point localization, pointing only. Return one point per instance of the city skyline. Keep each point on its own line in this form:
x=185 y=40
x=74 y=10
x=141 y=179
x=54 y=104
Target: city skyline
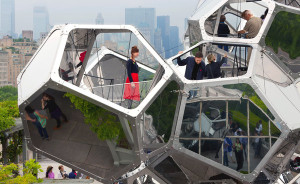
x=77 y=12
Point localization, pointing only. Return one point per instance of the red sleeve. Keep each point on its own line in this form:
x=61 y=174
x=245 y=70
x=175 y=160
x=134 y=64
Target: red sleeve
x=82 y=56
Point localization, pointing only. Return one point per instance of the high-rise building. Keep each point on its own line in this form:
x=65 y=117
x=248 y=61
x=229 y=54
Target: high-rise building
x=99 y=19
x=27 y=34
x=163 y=23
x=158 y=43
x=142 y=19
x=100 y=37
x=174 y=40
x=186 y=24
x=40 y=21
x=7 y=18
x=4 y=60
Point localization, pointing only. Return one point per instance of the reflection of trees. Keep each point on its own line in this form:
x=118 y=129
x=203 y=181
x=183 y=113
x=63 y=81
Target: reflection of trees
x=163 y=110
x=105 y=124
x=284 y=34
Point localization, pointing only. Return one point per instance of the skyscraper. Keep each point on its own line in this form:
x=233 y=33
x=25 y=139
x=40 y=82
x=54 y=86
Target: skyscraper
x=174 y=40
x=158 y=43
x=7 y=18
x=99 y=19
x=163 y=23
x=143 y=19
x=40 y=21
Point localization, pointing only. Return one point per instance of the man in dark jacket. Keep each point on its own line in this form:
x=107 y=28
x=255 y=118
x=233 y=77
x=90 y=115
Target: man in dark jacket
x=195 y=69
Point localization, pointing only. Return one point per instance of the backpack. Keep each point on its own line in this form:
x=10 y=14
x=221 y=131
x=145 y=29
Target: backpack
x=43 y=121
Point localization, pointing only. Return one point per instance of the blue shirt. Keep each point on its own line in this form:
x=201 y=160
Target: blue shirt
x=190 y=63
x=132 y=67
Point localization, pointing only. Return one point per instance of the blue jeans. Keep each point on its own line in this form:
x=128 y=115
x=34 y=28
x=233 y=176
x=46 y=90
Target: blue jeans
x=225 y=159
x=42 y=131
x=224 y=47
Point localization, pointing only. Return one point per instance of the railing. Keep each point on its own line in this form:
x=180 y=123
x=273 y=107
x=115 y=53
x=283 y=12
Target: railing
x=115 y=92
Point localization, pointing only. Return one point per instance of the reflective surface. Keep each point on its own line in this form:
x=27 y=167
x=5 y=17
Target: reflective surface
x=76 y=141
x=236 y=129
x=284 y=41
x=158 y=119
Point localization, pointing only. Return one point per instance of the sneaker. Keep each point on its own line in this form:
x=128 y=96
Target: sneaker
x=48 y=138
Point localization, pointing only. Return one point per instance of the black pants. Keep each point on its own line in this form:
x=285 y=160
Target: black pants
x=239 y=159
x=57 y=118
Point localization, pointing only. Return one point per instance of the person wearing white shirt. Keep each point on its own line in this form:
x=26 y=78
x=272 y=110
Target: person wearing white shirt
x=62 y=173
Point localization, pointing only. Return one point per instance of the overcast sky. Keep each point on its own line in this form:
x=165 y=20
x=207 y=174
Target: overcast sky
x=113 y=11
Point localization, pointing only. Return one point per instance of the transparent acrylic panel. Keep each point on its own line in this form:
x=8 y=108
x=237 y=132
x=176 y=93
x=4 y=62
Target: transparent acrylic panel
x=284 y=41
x=106 y=71
x=158 y=118
x=234 y=22
x=213 y=64
x=70 y=126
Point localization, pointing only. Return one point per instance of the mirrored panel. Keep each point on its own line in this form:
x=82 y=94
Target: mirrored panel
x=228 y=124
x=157 y=121
x=284 y=41
x=61 y=124
x=112 y=64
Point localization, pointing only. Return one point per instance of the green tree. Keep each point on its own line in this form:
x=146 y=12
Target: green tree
x=8 y=112
x=30 y=171
x=8 y=93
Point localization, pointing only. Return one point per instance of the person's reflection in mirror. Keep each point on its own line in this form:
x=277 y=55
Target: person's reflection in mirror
x=195 y=69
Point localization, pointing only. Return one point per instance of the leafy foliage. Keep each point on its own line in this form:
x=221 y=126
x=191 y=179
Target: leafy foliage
x=105 y=124
x=31 y=169
x=8 y=93
x=163 y=110
x=8 y=112
x=14 y=149
x=284 y=34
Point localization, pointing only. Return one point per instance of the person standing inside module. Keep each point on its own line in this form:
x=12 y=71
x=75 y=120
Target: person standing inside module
x=132 y=89
x=195 y=69
x=39 y=120
x=252 y=28
x=48 y=102
x=223 y=31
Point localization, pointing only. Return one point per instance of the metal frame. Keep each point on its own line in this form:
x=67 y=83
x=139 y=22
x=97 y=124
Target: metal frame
x=288 y=95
